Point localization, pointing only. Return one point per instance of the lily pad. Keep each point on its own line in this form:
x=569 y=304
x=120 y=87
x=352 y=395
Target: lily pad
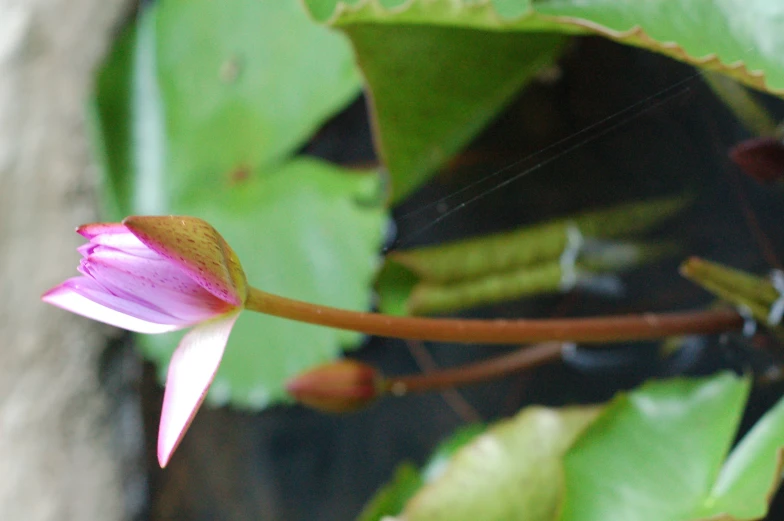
x=741 y=38
x=200 y=91
x=434 y=88
x=512 y=471
x=656 y=453
x=392 y=497
x=438 y=70
x=752 y=473
x=659 y=454
x=309 y=231
x=243 y=83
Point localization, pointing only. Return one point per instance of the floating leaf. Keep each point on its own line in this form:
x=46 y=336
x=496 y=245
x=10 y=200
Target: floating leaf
x=439 y=69
x=656 y=453
x=244 y=84
x=752 y=473
x=443 y=454
x=512 y=471
x=659 y=454
x=433 y=89
x=741 y=38
x=391 y=498
x=207 y=93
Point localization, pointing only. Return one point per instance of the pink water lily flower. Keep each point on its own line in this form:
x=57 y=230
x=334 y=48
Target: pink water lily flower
x=160 y=274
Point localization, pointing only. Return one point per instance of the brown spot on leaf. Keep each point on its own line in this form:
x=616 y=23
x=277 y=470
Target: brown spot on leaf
x=239 y=175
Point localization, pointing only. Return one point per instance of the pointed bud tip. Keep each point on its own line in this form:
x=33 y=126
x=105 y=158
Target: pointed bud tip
x=761 y=158
x=197 y=248
x=163 y=461
x=690 y=263
x=337 y=387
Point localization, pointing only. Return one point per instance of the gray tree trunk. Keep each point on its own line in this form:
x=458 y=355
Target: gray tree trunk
x=59 y=453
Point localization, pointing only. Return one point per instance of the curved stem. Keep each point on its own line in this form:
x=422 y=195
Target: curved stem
x=498 y=331
x=521 y=359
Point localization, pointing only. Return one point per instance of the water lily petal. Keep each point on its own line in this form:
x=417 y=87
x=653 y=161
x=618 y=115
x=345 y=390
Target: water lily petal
x=88 y=231
x=198 y=249
x=115 y=236
x=156 y=284
x=191 y=371
x=84 y=297
x=160 y=271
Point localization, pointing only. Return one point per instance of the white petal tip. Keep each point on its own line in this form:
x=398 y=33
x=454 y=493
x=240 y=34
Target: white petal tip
x=191 y=371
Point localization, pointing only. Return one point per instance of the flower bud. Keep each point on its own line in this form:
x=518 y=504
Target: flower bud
x=761 y=158
x=337 y=387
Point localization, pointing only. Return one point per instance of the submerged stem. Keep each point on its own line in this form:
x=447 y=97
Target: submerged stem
x=500 y=331
x=524 y=358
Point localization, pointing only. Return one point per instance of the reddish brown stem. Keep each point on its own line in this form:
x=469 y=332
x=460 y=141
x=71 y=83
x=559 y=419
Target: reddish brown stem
x=521 y=331
x=522 y=359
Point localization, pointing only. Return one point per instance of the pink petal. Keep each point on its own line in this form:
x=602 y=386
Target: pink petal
x=198 y=249
x=191 y=371
x=114 y=237
x=156 y=284
x=84 y=297
x=161 y=271
x=88 y=231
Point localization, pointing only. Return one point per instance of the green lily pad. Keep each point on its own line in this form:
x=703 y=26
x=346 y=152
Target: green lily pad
x=659 y=454
x=309 y=231
x=752 y=473
x=390 y=499
x=202 y=91
x=512 y=471
x=434 y=88
x=407 y=480
x=656 y=453
x=243 y=84
x=741 y=38
x=438 y=70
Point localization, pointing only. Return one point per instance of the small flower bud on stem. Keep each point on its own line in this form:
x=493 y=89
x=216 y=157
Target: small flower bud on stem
x=337 y=387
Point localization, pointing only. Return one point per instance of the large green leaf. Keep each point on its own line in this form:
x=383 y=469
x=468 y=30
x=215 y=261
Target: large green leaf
x=659 y=454
x=512 y=471
x=434 y=88
x=243 y=83
x=439 y=69
x=392 y=497
x=742 y=38
x=752 y=473
x=309 y=231
x=205 y=91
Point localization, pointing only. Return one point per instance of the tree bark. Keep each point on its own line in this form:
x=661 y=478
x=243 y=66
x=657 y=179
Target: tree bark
x=58 y=448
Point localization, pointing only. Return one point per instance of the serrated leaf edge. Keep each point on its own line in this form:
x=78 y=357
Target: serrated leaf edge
x=490 y=19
